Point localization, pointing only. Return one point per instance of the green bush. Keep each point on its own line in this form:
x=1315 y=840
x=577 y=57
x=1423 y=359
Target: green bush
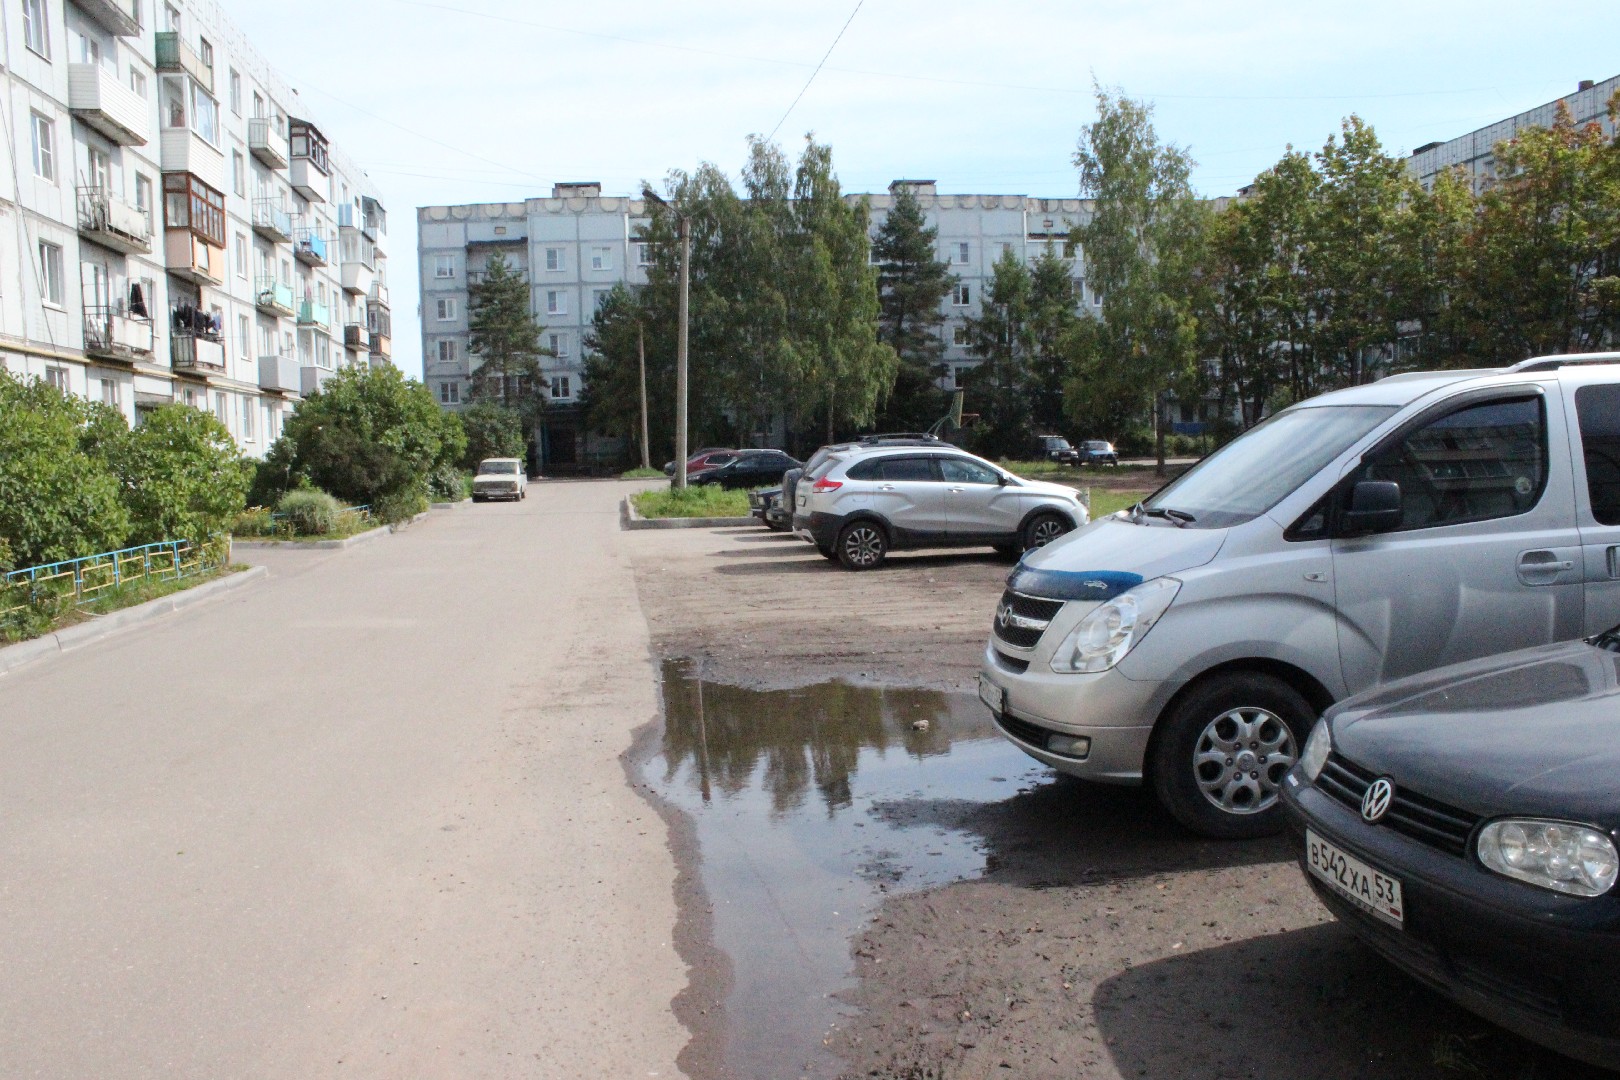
x=310 y=512
x=447 y=484
x=492 y=431
x=641 y=474
x=254 y=521
x=180 y=475
x=399 y=506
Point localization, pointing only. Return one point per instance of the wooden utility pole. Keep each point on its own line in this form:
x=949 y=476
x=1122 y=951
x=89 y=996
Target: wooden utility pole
x=680 y=356
x=641 y=355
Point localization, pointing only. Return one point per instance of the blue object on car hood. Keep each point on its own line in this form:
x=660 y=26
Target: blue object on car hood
x=1136 y=553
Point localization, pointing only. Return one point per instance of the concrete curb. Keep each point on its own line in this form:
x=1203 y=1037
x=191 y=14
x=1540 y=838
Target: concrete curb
x=630 y=519
x=24 y=652
x=449 y=505
x=313 y=545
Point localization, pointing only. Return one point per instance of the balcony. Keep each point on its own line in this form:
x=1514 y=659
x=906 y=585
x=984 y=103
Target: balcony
x=173 y=54
x=189 y=256
x=312 y=378
x=184 y=151
x=281 y=374
x=113 y=223
x=356 y=277
x=317 y=315
x=373 y=219
x=378 y=296
x=112 y=334
x=267 y=143
x=272 y=297
x=381 y=345
x=117 y=17
x=272 y=221
x=98 y=98
x=354 y=337
x=194 y=352
x=310 y=170
x=309 y=247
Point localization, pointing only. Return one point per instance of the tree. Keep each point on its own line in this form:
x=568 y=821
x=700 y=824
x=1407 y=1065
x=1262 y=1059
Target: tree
x=58 y=499
x=1003 y=337
x=912 y=284
x=1054 y=335
x=492 y=430
x=1143 y=248
x=505 y=337
x=617 y=340
x=180 y=476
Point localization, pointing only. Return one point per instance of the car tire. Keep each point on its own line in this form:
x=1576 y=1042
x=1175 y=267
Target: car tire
x=828 y=552
x=478 y=498
x=1221 y=751
x=1042 y=529
x=861 y=545
x=776 y=526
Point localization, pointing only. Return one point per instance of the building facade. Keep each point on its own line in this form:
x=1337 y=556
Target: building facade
x=176 y=226
x=576 y=245
x=1475 y=153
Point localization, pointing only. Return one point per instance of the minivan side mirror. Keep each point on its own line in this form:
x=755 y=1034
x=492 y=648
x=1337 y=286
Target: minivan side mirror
x=1375 y=506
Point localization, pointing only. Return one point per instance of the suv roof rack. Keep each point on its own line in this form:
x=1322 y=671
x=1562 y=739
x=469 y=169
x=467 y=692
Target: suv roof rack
x=1552 y=363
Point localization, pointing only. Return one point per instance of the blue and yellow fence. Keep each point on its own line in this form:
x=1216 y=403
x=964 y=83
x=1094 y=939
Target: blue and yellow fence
x=84 y=581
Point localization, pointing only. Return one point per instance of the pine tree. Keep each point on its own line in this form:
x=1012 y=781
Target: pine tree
x=504 y=338
x=1003 y=336
x=912 y=284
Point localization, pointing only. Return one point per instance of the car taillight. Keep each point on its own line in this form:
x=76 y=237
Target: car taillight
x=826 y=485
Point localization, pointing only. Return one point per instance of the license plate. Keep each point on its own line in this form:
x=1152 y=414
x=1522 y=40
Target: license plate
x=1353 y=879
x=992 y=695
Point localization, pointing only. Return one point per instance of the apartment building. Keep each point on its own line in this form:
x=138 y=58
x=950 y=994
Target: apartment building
x=1475 y=153
x=175 y=226
x=574 y=246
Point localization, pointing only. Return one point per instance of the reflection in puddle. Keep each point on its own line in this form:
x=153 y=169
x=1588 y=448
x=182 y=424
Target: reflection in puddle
x=792 y=793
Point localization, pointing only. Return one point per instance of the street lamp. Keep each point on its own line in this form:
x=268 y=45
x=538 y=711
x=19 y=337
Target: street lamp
x=685 y=225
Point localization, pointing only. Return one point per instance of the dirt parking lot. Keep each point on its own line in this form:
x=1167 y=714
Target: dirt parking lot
x=1099 y=940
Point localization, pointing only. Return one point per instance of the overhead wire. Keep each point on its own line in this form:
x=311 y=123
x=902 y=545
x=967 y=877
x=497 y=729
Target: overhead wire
x=817 y=71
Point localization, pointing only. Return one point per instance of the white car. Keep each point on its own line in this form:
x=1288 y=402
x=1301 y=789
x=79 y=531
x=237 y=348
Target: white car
x=500 y=478
x=864 y=502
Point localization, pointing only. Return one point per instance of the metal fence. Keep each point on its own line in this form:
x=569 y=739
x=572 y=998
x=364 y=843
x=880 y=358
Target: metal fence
x=83 y=582
x=360 y=514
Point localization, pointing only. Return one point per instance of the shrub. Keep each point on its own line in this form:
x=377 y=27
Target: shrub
x=399 y=506
x=254 y=521
x=180 y=476
x=639 y=473
x=447 y=484
x=492 y=431
x=310 y=512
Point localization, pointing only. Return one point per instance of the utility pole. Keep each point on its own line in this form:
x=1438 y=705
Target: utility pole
x=641 y=355
x=680 y=355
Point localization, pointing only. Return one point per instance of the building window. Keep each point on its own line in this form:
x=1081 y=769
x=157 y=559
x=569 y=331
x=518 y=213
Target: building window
x=221 y=412
x=447 y=352
x=560 y=387
x=143 y=195
x=248 y=407
x=960 y=296
x=599 y=299
x=1096 y=299
x=554 y=258
x=236 y=92
x=44 y=135
x=238 y=173
x=601 y=258
x=556 y=302
x=444 y=266
x=241 y=255
x=50 y=272
x=36 y=34
x=188 y=203
x=109 y=392
x=57 y=377
x=137 y=81
x=962 y=253
x=644 y=255
x=205 y=53
x=959 y=335
x=961 y=376
x=244 y=336
x=447 y=309
x=559 y=345
x=450 y=393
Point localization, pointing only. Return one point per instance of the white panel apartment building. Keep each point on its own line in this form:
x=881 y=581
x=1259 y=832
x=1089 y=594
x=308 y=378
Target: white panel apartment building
x=175 y=227
x=575 y=245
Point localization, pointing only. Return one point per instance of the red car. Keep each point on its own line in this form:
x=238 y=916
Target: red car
x=708 y=458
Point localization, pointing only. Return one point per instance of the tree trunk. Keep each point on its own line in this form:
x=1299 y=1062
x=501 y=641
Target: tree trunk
x=1158 y=434
x=832 y=393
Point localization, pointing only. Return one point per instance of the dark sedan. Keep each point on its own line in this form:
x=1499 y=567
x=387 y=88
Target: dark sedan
x=1463 y=823
x=749 y=469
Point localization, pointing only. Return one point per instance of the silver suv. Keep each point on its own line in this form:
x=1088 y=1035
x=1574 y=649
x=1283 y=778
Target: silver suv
x=866 y=501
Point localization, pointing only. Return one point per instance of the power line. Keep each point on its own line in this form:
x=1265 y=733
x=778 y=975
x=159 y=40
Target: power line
x=817 y=71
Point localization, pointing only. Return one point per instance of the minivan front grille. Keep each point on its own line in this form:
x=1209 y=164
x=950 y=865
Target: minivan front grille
x=1021 y=620
x=1425 y=820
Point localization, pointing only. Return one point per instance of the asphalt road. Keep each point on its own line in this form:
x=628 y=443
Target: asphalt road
x=364 y=819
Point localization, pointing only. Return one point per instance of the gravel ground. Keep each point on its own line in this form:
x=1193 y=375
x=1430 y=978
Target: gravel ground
x=1103 y=941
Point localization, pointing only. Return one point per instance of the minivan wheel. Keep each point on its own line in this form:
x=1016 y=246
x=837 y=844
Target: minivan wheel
x=862 y=545
x=1043 y=529
x=1221 y=753
x=828 y=552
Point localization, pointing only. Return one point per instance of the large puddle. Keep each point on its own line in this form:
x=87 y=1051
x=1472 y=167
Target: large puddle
x=801 y=801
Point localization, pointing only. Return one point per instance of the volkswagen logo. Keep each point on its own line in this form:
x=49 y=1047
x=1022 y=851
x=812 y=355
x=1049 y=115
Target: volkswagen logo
x=1375 y=804
x=1003 y=613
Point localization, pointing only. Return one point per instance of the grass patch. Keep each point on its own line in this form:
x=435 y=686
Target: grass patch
x=1105 y=502
x=257 y=524
x=694 y=502
x=47 y=618
x=641 y=474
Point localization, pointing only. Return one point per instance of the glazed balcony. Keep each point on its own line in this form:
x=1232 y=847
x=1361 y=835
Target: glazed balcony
x=310 y=169
x=316 y=315
x=354 y=337
x=272 y=220
x=267 y=143
x=280 y=373
x=113 y=223
x=373 y=219
x=117 y=17
x=182 y=150
x=192 y=258
x=274 y=298
x=110 y=333
x=189 y=351
x=381 y=345
x=309 y=247
x=102 y=101
x=173 y=54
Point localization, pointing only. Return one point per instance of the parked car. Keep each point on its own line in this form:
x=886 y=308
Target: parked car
x=707 y=458
x=866 y=501
x=500 y=478
x=790 y=479
x=1463 y=823
x=748 y=469
x=1056 y=448
x=766 y=505
x=1097 y=452
x=1355 y=538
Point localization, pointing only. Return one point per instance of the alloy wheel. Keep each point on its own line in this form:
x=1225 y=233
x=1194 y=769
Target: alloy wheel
x=1241 y=758
x=863 y=545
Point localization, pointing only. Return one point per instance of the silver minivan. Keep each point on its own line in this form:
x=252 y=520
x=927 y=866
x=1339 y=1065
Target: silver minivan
x=1349 y=540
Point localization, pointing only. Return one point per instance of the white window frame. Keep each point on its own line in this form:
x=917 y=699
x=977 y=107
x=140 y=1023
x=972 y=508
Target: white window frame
x=110 y=394
x=57 y=376
x=138 y=81
x=561 y=387
x=959 y=336
x=248 y=405
x=444 y=267
x=50 y=274
x=559 y=345
x=601 y=258
x=555 y=262
x=644 y=255
x=236 y=91
x=36 y=28
x=447 y=351
x=963 y=254
x=962 y=295
x=239 y=173
x=42 y=132
x=448 y=310
x=450 y=392
x=556 y=302
x=222 y=410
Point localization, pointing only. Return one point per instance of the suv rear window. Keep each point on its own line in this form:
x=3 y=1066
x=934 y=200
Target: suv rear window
x=893 y=468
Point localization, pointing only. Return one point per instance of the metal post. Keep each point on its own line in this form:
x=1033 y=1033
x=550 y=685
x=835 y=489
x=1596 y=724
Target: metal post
x=641 y=355
x=680 y=357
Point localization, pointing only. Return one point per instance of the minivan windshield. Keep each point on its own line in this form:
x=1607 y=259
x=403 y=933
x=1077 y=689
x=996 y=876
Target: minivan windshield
x=1255 y=471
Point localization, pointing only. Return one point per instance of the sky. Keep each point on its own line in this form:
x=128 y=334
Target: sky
x=472 y=101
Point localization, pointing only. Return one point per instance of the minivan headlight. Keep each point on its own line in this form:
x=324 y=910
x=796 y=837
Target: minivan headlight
x=1317 y=749
x=1556 y=855
x=1111 y=629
